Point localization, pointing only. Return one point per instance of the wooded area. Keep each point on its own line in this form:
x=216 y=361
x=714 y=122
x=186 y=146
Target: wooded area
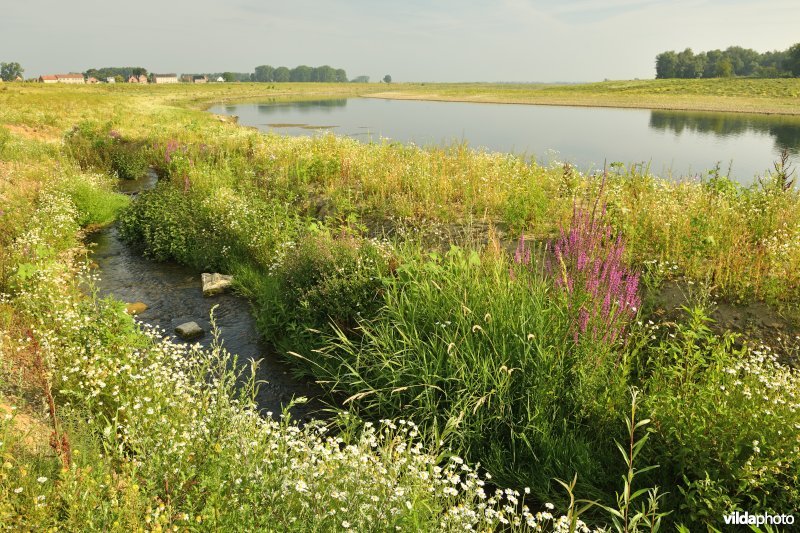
x=733 y=61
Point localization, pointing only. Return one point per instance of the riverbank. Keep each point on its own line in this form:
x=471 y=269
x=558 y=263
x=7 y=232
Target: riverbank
x=501 y=355
x=734 y=95
x=760 y=96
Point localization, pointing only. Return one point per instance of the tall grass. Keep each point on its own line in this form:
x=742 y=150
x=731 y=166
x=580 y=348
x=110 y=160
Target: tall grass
x=485 y=359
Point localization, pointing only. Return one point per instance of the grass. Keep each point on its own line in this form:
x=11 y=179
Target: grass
x=740 y=95
x=384 y=272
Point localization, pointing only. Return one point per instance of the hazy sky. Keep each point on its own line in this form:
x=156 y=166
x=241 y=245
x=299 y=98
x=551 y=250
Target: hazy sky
x=413 y=40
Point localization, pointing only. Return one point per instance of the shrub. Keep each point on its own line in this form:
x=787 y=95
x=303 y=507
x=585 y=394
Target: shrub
x=171 y=225
x=489 y=362
x=95 y=202
x=98 y=146
x=320 y=281
x=727 y=421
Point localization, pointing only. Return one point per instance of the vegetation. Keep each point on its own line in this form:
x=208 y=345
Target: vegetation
x=11 y=71
x=302 y=73
x=507 y=309
x=733 y=61
x=112 y=72
x=740 y=95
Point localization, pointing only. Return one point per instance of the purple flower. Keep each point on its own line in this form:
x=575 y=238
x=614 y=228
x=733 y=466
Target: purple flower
x=587 y=263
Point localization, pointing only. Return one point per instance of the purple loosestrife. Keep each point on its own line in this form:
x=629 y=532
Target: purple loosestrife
x=172 y=146
x=587 y=264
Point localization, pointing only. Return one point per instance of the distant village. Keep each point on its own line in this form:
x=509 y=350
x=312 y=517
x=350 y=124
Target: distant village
x=142 y=78
x=262 y=74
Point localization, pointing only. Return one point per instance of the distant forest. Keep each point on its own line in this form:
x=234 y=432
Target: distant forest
x=302 y=73
x=733 y=61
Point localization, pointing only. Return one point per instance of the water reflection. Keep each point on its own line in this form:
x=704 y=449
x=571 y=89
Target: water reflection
x=309 y=106
x=785 y=130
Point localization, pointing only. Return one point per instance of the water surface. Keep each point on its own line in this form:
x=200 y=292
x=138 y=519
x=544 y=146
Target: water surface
x=672 y=143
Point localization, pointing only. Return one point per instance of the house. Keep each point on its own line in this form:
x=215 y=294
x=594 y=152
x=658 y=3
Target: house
x=138 y=79
x=164 y=78
x=111 y=79
x=200 y=79
x=92 y=79
x=220 y=79
x=62 y=78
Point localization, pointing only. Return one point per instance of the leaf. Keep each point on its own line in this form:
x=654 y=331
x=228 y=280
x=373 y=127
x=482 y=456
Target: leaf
x=25 y=271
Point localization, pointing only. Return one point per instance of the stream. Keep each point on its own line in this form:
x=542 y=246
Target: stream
x=173 y=295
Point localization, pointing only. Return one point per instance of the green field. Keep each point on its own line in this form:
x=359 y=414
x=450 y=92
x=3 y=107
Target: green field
x=525 y=319
x=780 y=96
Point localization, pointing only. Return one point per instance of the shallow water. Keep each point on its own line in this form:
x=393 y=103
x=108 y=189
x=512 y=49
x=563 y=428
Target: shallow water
x=673 y=144
x=173 y=294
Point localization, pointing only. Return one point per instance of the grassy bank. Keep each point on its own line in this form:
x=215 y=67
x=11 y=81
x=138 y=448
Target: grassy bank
x=106 y=426
x=723 y=95
x=388 y=274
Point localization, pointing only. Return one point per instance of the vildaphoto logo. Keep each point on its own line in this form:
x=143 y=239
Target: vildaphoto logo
x=747 y=519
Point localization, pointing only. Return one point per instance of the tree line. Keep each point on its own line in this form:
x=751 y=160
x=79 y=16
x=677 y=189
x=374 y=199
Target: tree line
x=119 y=73
x=302 y=73
x=733 y=61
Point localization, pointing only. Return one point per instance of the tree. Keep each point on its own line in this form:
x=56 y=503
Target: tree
x=281 y=74
x=229 y=77
x=361 y=79
x=264 y=74
x=793 y=60
x=11 y=71
x=301 y=73
x=724 y=68
x=387 y=79
x=325 y=74
x=341 y=75
x=744 y=60
x=689 y=66
x=713 y=57
x=666 y=65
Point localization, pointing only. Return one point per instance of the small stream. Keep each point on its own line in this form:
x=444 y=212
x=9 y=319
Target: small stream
x=173 y=295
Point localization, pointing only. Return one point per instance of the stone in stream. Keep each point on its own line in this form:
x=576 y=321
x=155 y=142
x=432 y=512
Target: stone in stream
x=189 y=330
x=135 y=308
x=215 y=283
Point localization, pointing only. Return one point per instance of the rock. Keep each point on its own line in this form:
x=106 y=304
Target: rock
x=136 y=308
x=215 y=283
x=189 y=330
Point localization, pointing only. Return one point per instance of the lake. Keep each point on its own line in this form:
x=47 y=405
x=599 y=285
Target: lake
x=673 y=144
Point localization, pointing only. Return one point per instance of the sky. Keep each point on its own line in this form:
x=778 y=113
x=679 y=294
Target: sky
x=412 y=40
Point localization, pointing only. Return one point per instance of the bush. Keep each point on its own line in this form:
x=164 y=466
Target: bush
x=98 y=146
x=727 y=423
x=488 y=361
x=171 y=225
x=320 y=281
x=96 y=203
